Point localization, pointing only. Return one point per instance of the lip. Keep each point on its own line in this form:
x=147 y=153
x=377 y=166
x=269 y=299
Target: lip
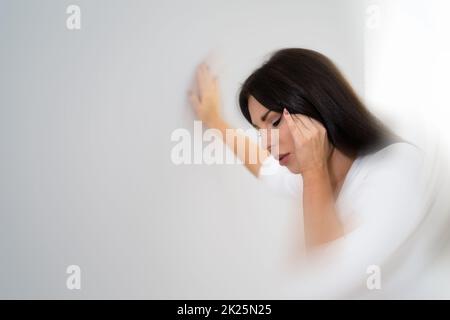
x=284 y=158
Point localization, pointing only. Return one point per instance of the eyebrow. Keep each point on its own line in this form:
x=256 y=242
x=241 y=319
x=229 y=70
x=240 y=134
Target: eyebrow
x=263 y=118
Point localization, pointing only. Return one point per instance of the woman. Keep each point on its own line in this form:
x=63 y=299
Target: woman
x=326 y=138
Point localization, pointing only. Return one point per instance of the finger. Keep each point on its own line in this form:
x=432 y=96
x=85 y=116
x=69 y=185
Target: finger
x=193 y=98
x=201 y=77
x=205 y=77
x=293 y=128
x=216 y=82
x=301 y=123
x=206 y=72
x=317 y=124
x=310 y=122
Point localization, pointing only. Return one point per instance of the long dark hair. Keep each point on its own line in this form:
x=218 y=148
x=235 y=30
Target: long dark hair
x=305 y=81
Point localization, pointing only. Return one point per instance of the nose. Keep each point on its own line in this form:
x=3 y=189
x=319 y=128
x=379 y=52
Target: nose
x=273 y=151
x=270 y=140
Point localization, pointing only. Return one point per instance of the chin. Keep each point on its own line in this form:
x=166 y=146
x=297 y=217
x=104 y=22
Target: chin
x=293 y=169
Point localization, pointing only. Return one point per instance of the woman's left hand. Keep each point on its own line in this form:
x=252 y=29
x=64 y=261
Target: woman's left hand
x=310 y=139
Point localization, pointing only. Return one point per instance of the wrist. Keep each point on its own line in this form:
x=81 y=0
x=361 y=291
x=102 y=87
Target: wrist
x=317 y=171
x=217 y=123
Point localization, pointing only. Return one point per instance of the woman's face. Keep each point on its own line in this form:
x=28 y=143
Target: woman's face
x=265 y=120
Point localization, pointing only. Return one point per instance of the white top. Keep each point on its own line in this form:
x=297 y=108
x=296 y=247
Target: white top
x=384 y=196
x=386 y=172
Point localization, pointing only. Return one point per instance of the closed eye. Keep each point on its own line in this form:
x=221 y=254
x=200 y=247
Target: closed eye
x=276 y=123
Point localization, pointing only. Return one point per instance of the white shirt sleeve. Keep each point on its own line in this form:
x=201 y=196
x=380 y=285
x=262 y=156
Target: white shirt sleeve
x=390 y=206
x=279 y=179
x=387 y=198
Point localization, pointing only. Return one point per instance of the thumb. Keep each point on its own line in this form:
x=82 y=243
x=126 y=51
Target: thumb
x=289 y=120
x=293 y=128
x=194 y=99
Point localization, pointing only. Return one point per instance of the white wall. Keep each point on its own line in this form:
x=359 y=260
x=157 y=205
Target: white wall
x=86 y=118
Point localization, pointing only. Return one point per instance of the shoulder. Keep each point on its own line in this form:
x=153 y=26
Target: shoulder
x=400 y=155
x=398 y=150
x=399 y=164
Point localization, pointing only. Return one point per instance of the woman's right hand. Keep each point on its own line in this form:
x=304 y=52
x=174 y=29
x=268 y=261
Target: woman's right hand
x=206 y=101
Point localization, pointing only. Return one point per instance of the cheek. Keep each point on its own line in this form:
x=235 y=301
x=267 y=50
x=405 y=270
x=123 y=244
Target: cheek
x=286 y=142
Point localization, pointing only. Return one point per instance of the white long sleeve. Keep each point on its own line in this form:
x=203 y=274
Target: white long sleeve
x=384 y=192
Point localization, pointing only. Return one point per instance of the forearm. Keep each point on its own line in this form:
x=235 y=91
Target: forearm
x=250 y=153
x=321 y=222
